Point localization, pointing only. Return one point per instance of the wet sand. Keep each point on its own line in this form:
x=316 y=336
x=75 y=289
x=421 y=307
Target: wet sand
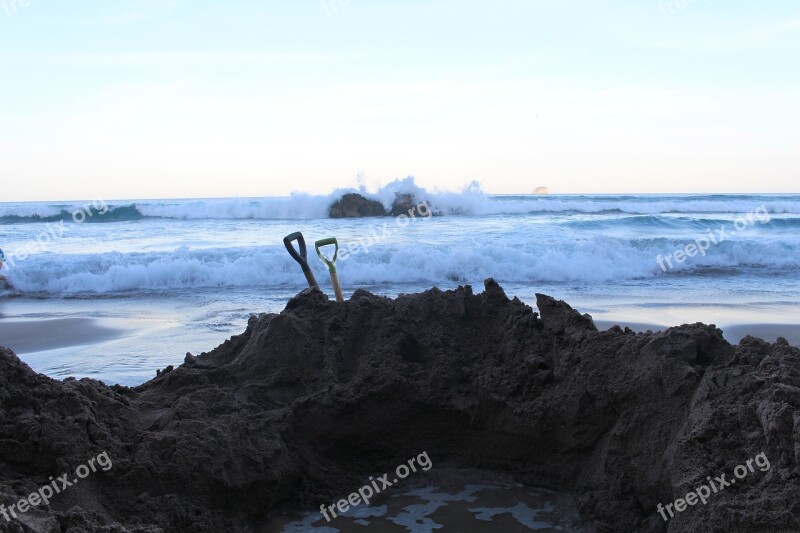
x=732 y=333
x=768 y=332
x=635 y=326
x=30 y=336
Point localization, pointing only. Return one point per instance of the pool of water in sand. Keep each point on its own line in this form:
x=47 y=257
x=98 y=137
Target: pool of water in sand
x=452 y=507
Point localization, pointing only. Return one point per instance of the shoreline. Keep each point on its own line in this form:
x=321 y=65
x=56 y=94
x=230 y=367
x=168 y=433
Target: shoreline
x=31 y=336
x=732 y=333
x=66 y=346
x=767 y=332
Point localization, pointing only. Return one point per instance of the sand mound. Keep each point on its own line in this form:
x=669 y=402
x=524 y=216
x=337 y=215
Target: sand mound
x=304 y=405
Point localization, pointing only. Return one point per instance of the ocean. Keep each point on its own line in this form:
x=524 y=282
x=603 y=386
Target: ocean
x=176 y=276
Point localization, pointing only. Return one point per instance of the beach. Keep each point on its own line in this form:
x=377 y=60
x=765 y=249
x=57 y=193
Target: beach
x=535 y=401
x=41 y=335
x=399 y=267
x=185 y=275
x=101 y=348
x=519 y=413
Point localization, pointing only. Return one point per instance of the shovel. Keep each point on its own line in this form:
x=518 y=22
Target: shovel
x=300 y=257
x=331 y=264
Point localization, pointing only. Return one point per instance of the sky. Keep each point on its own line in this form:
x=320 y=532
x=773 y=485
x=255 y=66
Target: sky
x=178 y=98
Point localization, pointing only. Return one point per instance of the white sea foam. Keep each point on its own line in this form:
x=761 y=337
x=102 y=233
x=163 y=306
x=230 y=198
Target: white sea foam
x=595 y=259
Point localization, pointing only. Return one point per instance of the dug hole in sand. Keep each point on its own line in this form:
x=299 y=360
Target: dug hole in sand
x=305 y=405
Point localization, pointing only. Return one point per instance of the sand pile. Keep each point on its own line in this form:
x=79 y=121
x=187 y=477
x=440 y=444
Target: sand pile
x=304 y=405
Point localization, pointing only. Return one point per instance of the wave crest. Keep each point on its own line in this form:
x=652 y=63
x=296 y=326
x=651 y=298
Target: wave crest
x=471 y=201
x=591 y=260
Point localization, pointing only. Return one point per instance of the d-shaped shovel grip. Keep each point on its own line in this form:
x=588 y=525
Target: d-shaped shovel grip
x=327 y=242
x=301 y=257
x=337 y=289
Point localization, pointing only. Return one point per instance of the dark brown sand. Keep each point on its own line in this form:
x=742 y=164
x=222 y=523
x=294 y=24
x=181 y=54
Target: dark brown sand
x=27 y=336
x=306 y=404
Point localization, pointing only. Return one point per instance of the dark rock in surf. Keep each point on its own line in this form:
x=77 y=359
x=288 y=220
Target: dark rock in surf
x=353 y=205
x=409 y=205
x=404 y=204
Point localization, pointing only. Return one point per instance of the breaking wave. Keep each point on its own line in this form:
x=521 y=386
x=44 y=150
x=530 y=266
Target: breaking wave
x=470 y=201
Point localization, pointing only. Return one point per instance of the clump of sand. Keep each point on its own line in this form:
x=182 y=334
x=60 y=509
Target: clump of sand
x=307 y=403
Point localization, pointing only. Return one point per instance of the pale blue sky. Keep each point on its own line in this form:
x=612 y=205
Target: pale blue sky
x=171 y=98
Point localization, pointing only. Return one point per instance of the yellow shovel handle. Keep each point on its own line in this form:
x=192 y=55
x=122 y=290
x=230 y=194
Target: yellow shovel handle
x=337 y=289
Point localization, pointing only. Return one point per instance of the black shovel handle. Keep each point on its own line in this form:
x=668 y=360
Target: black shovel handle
x=300 y=257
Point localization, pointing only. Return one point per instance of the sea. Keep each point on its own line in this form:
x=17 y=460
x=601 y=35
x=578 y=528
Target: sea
x=183 y=275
